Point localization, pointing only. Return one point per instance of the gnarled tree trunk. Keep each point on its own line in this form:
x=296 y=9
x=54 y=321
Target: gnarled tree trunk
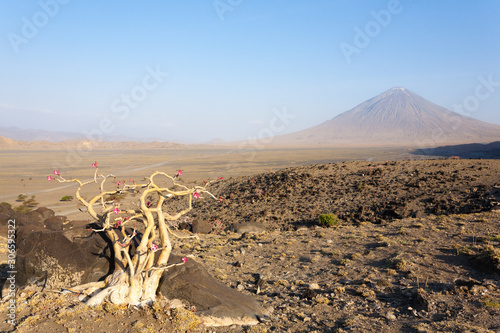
x=135 y=279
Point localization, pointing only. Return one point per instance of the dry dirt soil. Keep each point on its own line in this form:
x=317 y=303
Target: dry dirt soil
x=416 y=249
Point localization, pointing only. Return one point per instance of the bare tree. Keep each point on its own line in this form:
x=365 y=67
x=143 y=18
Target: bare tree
x=135 y=278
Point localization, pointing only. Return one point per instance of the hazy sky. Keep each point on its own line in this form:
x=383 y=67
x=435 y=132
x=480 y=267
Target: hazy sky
x=233 y=69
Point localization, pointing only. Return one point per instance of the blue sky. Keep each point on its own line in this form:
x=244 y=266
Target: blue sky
x=198 y=70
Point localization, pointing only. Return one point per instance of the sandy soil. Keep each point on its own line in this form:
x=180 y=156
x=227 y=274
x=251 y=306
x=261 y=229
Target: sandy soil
x=25 y=172
x=431 y=267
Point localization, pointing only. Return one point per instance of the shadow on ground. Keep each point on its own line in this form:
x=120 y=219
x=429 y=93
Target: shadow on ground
x=472 y=150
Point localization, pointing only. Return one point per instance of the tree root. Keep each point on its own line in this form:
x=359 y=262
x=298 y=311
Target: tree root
x=120 y=289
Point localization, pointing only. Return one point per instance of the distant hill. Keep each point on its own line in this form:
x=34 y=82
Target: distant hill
x=9 y=144
x=21 y=134
x=395 y=117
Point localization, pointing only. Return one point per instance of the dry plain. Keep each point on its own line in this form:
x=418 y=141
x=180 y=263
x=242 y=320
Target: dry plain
x=433 y=268
x=26 y=171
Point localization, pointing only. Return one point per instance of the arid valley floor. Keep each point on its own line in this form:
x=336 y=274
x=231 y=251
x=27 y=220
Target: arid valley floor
x=417 y=247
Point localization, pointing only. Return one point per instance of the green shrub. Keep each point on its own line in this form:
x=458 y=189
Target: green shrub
x=328 y=220
x=21 y=197
x=491 y=303
x=488 y=259
x=6 y=203
x=22 y=209
x=67 y=198
x=31 y=202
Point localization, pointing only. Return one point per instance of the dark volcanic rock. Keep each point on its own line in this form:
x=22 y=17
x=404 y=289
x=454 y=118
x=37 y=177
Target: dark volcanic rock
x=6 y=209
x=214 y=301
x=54 y=223
x=60 y=259
x=356 y=192
x=201 y=227
x=45 y=212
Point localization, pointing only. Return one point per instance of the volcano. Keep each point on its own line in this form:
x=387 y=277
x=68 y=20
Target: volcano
x=395 y=117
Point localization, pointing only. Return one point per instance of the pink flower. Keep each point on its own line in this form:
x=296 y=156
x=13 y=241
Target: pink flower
x=196 y=195
x=94 y=164
x=154 y=247
x=131 y=180
x=116 y=210
x=118 y=183
x=221 y=178
x=148 y=204
x=118 y=223
x=56 y=172
x=49 y=178
x=184 y=259
x=179 y=173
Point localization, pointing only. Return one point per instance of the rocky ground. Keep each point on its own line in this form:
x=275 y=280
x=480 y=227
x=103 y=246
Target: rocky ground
x=416 y=249
x=356 y=192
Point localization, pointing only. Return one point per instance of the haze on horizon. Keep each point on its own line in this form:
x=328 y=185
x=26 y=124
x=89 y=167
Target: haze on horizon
x=194 y=71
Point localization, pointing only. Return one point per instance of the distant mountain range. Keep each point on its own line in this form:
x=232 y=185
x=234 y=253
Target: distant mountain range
x=395 y=117
x=20 y=134
x=9 y=144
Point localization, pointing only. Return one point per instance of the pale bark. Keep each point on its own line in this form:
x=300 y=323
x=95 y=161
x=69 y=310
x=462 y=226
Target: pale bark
x=135 y=279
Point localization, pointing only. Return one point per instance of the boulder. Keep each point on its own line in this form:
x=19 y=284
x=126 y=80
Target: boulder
x=54 y=223
x=57 y=259
x=45 y=212
x=6 y=209
x=31 y=217
x=4 y=219
x=60 y=259
x=201 y=227
x=216 y=304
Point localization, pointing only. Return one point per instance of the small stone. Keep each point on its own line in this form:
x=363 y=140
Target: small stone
x=176 y=303
x=309 y=294
x=314 y=286
x=201 y=227
x=390 y=316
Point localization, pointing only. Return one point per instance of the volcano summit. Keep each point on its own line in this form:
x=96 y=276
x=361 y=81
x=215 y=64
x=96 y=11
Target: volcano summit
x=395 y=117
